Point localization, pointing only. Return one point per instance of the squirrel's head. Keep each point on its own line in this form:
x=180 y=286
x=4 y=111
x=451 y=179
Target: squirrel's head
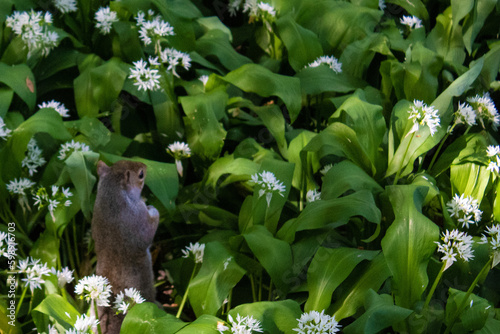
x=130 y=175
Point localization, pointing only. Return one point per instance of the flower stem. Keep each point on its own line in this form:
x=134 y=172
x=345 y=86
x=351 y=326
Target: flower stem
x=21 y=300
x=403 y=160
x=434 y=285
x=467 y=294
x=440 y=146
x=184 y=298
x=97 y=317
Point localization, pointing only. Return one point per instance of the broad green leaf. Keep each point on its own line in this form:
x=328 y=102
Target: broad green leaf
x=219 y=273
x=86 y=105
x=180 y=14
x=60 y=309
x=21 y=80
x=354 y=297
x=149 y=318
x=302 y=44
x=276 y=317
x=469 y=179
x=409 y=243
x=214 y=23
x=337 y=23
x=58 y=60
x=491 y=63
x=460 y=8
x=273 y=119
x=366 y=120
x=130 y=44
x=481 y=10
x=415 y=7
x=46 y=248
x=93 y=129
x=322 y=79
x=275 y=255
x=473 y=315
x=13 y=325
x=230 y=165
x=328 y=269
x=167 y=115
x=206 y=324
x=216 y=43
x=258 y=79
x=107 y=82
x=380 y=314
x=346 y=176
x=161 y=178
x=205 y=134
x=80 y=166
x=303 y=172
x=422 y=67
x=6 y=95
x=207 y=214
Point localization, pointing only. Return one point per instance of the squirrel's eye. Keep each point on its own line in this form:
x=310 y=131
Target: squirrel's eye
x=141 y=174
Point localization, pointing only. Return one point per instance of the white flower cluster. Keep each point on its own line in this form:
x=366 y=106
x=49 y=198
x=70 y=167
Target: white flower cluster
x=422 y=114
x=172 y=58
x=105 y=18
x=381 y=5
x=69 y=147
x=33 y=27
x=145 y=77
x=253 y=8
x=65 y=6
x=84 y=325
x=485 y=109
x=4 y=131
x=465 y=209
x=42 y=198
x=179 y=150
x=325 y=169
x=331 y=61
x=493 y=238
x=9 y=248
x=455 y=243
x=34 y=158
x=94 y=288
x=465 y=114
x=242 y=325
x=412 y=22
x=19 y=186
x=268 y=184
x=313 y=195
x=493 y=153
x=34 y=271
x=64 y=276
x=57 y=106
x=196 y=250
x=314 y=322
x=126 y=299
x=203 y=79
x=152 y=29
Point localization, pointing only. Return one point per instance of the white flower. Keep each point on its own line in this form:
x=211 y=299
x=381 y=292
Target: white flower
x=57 y=106
x=154 y=29
x=268 y=184
x=173 y=57
x=52 y=330
x=493 y=238
x=196 y=250
x=242 y=325
x=233 y=6
x=465 y=114
x=250 y=7
x=4 y=131
x=455 y=243
x=64 y=276
x=19 y=186
x=265 y=8
x=331 y=61
x=84 y=324
x=94 y=288
x=126 y=299
x=34 y=30
x=381 y=5
x=412 y=22
x=422 y=114
x=34 y=158
x=34 y=271
x=485 y=108
x=204 y=79
x=146 y=78
x=492 y=150
x=313 y=195
x=326 y=169
x=70 y=147
x=66 y=6
x=314 y=322
x=105 y=18
x=465 y=209
x=179 y=150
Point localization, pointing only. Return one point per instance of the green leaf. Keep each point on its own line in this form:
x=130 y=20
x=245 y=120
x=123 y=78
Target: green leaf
x=21 y=80
x=380 y=314
x=409 y=244
x=80 y=167
x=86 y=105
x=276 y=317
x=416 y=7
x=422 y=67
x=322 y=79
x=273 y=119
x=238 y=167
x=473 y=316
x=6 y=95
x=206 y=324
x=216 y=43
x=204 y=132
x=275 y=255
x=214 y=23
x=481 y=10
x=372 y=278
x=345 y=176
x=93 y=129
x=446 y=38
x=328 y=269
x=258 y=79
x=469 y=179
x=107 y=82
x=149 y=318
x=219 y=273
x=60 y=309
x=302 y=44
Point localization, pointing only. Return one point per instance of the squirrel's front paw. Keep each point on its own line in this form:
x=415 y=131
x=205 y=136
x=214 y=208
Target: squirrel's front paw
x=153 y=213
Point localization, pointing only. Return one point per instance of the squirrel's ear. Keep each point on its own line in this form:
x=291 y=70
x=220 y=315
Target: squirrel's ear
x=102 y=168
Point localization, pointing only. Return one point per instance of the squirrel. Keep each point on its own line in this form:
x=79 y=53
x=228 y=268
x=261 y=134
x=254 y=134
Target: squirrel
x=123 y=228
